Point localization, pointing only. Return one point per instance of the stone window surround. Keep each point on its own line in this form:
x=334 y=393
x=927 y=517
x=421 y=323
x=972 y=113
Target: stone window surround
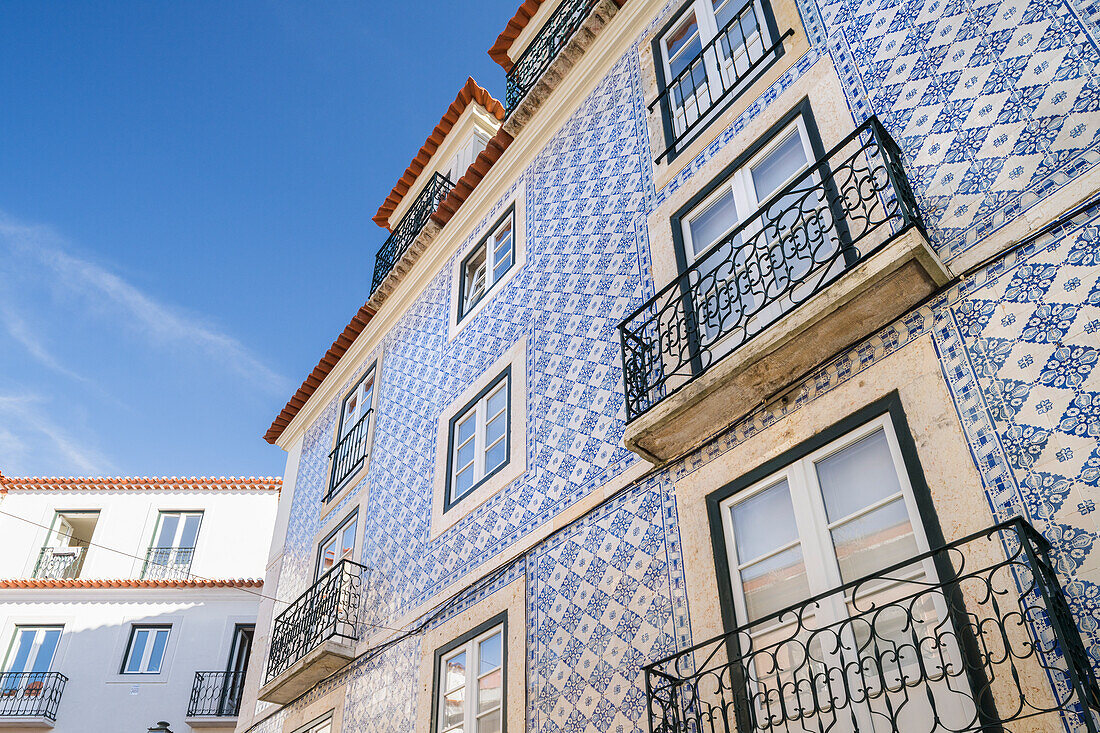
x=515 y=358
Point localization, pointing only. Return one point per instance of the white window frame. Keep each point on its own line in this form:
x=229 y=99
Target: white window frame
x=470 y=685
x=154 y=631
x=321 y=725
x=493 y=258
x=40 y=631
x=718 y=76
x=477 y=409
x=334 y=539
x=745 y=196
x=178 y=534
x=363 y=392
x=818 y=554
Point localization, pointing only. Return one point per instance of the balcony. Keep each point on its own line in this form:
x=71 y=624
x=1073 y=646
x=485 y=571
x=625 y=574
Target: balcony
x=30 y=699
x=59 y=563
x=411 y=235
x=722 y=69
x=831 y=258
x=167 y=563
x=215 y=699
x=563 y=39
x=315 y=635
x=990 y=645
x=348 y=456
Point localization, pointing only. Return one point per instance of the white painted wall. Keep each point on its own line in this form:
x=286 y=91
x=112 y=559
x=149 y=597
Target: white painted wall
x=93 y=643
x=233 y=542
x=233 y=539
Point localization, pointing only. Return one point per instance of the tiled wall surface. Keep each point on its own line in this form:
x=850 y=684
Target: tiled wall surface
x=996 y=105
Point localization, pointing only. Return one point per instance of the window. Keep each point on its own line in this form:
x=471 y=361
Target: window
x=178 y=530
x=32 y=649
x=338 y=545
x=470 y=675
x=771 y=251
x=173 y=548
x=486 y=265
x=479 y=439
x=352 y=435
x=467 y=154
x=707 y=54
x=145 y=651
x=836 y=515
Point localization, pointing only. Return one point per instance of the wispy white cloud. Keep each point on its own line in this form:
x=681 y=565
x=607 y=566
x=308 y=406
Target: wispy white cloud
x=106 y=291
x=24 y=415
x=19 y=330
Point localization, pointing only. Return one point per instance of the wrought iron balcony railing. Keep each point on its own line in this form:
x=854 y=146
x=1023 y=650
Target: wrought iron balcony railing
x=537 y=57
x=168 y=563
x=841 y=209
x=31 y=694
x=412 y=223
x=59 y=563
x=722 y=67
x=329 y=609
x=973 y=636
x=216 y=694
x=348 y=455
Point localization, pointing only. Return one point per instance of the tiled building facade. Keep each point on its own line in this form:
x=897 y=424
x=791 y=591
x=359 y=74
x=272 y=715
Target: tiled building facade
x=593 y=561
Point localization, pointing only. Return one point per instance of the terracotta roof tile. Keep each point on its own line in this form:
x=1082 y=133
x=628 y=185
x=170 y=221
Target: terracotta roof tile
x=470 y=92
x=33 y=583
x=137 y=483
x=519 y=21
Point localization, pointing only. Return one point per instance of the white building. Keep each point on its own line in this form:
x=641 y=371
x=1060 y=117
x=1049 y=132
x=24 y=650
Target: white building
x=128 y=601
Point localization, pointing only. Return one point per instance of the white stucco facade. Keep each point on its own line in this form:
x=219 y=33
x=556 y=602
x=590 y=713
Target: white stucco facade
x=185 y=556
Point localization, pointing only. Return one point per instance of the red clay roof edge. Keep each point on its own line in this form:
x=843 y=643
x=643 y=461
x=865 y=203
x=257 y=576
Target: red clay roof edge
x=470 y=92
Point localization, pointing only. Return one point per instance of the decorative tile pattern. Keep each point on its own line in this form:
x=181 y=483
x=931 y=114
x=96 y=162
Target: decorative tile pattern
x=996 y=104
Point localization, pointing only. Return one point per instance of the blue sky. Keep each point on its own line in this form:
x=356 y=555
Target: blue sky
x=185 y=199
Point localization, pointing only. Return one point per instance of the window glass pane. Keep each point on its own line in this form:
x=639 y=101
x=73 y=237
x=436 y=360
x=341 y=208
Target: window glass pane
x=351 y=409
x=463 y=481
x=489 y=653
x=23 y=645
x=137 y=650
x=465 y=455
x=168 y=525
x=474 y=276
x=763 y=522
x=454 y=704
x=46 y=649
x=778 y=166
x=455 y=671
x=488 y=691
x=724 y=11
x=682 y=45
x=713 y=223
x=489 y=723
x=466 y=427
x=348 y=539
x=328 y=555
x=497 y=401
x=874 y=541
x=190 y=532
x=857 y=476
x=497 y=453
x=775 y=583
x=156 y=655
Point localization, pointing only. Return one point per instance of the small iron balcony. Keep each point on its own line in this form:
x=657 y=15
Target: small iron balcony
x=167 y=563
x=31 y=698
x=59 y=563
x=348 y=455
x=973 y=636
x=316 y=634
x=412 y=223
x=745 y=319
x=722 y=69
x=216 y=695
x=537 y=57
